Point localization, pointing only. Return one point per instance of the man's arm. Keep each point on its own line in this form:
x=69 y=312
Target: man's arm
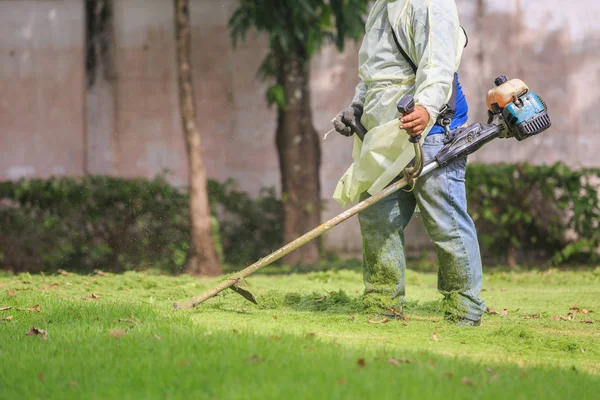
x=436 y=31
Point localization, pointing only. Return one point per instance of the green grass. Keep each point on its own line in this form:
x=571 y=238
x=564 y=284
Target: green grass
x=309 y=339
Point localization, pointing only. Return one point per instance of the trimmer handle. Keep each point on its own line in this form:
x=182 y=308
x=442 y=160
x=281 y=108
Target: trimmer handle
x=406 y=106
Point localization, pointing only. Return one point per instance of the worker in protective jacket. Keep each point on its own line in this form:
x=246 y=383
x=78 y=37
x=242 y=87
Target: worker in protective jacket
x=411 y=47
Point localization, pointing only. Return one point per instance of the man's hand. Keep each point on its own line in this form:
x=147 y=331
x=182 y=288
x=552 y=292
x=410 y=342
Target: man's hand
x=346 y=118
x=415 y=122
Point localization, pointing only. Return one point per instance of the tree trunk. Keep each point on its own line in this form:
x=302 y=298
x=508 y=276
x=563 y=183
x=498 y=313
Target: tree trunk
x=299 y=159
x=204 y=259
x=100 y=94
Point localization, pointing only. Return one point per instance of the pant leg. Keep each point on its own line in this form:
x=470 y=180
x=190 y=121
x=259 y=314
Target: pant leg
x=441 y=197
x=382 y=227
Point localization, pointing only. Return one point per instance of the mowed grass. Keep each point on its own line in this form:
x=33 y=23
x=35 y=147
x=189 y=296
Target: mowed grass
x=308 y=339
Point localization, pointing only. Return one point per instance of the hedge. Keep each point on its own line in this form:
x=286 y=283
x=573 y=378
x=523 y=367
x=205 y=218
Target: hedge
x=115 y=224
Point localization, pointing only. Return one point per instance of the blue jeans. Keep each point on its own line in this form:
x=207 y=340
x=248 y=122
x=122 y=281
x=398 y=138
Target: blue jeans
x=441 y=198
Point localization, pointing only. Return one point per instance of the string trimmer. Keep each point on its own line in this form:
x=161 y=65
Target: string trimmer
x=514 y=111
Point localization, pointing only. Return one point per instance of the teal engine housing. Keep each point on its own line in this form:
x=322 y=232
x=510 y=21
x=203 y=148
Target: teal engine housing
x=527 y=116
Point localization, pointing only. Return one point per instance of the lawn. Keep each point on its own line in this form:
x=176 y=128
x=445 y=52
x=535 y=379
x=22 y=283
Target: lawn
x=115 y=336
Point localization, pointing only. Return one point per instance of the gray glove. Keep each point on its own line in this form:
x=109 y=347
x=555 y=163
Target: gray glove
x=346 y=118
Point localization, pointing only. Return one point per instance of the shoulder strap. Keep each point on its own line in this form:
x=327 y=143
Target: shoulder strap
x=406 y=57
x=451 y=106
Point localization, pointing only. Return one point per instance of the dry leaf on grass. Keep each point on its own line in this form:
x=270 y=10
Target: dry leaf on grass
x=434 y=336
x=11 y=293
x=492 y=311
x=533 y=316
x=9 y=318
x=5 y=308
x=117 y=333
x=255 y=359
x=341 y=381
x=587 y=322
x=505 y=312
x=35 y=308
x=448 y=375
x=361 y=363
x=35 y=331
x=157 y=337
x=93 y=296
x=466 y=381
x=73 y=383
x=582 y=349
x=46 y=287
x=581 y=310
x=490 y=371
x=383 y=321
x=554 y=318
x=100 y=273
x=63 y=272
x=397 y=314
x=68 y=284
x=320 y=300
x=398 y=361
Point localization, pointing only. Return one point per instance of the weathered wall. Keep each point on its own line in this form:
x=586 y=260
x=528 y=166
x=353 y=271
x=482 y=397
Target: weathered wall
x=41 y=88
x=555 y=48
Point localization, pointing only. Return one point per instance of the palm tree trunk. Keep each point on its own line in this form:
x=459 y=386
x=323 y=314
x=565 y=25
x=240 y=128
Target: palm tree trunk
x=204 y=259
x=299 y=158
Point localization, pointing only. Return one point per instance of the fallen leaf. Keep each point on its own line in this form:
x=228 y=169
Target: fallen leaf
x=275 y=317
x=41 y=376
x=185 y=363
x=504 y=289
x=68 y=284
x=46 y=287
x=351 y=317
x=582 y=349
x=361 y=363
x=341 y=381
x=492 y=311
x=554 y=318
x=448 y=375
x=320 y=300
x=581 y=310
x=276 y=338
x=35 y=331
x=532 y=316
x=587 y=322
x=383 y=321
x=73 y=383
x=466 y=381
x=9 y=318
x=157 y=337
x=565 y=318
x=434 y=336
x=505 y=312
x=255 y=359
x=35 y=308
x=432 y=363
x=463 y=342
x=3 y=284
x=63 y=272
x=100 y=273
x=117 y=333
x=93 y=296
x=5 y=308
x=11 y=293
x=397 y=314
x=398 y=361
x=490 y=371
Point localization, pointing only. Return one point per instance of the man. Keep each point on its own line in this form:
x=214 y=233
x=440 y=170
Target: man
x=429 y=33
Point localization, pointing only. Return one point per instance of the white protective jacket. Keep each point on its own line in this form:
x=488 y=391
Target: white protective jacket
x=429 y=32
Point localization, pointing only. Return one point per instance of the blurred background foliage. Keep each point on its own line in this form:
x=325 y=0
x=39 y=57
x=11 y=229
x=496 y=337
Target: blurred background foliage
x=525 y=214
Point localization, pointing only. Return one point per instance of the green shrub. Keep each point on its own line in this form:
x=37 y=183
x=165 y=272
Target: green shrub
x=550 y=211
x=250 y=228
x=93 y=222
x=116 y=224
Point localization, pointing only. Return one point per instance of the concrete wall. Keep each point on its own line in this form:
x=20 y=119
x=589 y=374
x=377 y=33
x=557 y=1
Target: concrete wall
x=555 y=48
